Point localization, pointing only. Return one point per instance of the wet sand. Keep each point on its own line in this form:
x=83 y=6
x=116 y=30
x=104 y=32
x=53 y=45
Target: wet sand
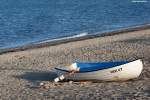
x=21 y=72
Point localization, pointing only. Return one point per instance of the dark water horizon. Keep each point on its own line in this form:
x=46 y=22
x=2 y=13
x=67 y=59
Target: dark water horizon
x=29 y=21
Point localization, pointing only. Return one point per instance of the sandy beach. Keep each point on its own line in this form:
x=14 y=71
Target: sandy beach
x=21 y=72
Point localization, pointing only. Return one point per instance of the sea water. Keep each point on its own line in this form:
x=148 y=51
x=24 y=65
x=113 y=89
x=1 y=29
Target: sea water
x=24 y=22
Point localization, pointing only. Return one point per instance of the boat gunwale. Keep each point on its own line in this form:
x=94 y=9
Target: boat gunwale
x=98 y=69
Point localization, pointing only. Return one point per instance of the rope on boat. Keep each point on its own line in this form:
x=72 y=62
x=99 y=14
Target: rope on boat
x=62 y=77
x=73 y=69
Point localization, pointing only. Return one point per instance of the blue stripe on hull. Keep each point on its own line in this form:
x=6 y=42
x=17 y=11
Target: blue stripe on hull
x=89 y=67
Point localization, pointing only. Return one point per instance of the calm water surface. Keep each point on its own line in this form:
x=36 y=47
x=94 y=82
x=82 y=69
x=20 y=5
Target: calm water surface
x=27 y=21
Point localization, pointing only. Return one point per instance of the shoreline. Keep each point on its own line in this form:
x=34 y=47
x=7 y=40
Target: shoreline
x=89 y=36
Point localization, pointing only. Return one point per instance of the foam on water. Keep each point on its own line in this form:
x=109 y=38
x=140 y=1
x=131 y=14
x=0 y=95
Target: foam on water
x=63 y=38
x=139 y=1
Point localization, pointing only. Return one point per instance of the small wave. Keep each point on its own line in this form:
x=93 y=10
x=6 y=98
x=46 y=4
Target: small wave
x=64 y=38
x=79 y=35
x=139 y=1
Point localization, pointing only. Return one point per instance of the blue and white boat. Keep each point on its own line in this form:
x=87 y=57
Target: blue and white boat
x=103 y=71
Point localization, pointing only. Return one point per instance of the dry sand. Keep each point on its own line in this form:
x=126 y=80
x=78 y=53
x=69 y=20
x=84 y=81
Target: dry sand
x=21 y=72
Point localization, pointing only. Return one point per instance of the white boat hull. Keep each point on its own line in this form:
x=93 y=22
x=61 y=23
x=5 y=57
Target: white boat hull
x=123 y=72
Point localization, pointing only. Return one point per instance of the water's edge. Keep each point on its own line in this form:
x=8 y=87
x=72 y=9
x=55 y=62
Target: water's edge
x=84 y=37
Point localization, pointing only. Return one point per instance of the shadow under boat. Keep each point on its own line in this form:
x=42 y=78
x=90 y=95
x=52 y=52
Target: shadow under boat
x=38 y=76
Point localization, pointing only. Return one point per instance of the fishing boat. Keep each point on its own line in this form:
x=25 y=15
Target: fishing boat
x=102 y=71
